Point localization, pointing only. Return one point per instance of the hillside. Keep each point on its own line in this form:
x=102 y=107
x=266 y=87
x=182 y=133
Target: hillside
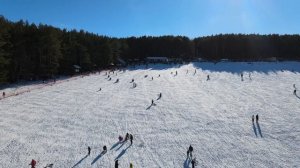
x=56 y=123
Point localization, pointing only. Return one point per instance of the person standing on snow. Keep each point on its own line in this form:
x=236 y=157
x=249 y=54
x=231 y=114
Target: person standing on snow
x=131 y=165
x=120 y=138
x=242 y=77
x=104 y=148
x=257 y=118
x=126 y=136
x=207 y=78
x=116 y=164
x=89 y=150
x=33 y=163
x=131 y=138
x=191 y=151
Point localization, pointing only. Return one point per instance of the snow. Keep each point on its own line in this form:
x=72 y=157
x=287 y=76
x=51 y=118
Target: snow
x=56 y=123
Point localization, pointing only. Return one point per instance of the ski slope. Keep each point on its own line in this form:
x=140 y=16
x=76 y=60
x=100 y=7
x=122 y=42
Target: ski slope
x=56 y=124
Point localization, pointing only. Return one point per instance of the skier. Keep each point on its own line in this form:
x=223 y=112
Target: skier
x=117 y=81
x=99 y=90
x=250 y=76
x=152 y=78
x=131 y=165
x=158 y=75
x=176 y=73
x=152 y=102
x=207 y=78
x=109 y=79
x=295 y=92
x=116 y=164
x=89 y=150
x=252 y=118
x=256 y=117
x=195 y=71
x=132 y=81
x=191 y=150
x=131 y=138
x=3 y=94
x=33 y=163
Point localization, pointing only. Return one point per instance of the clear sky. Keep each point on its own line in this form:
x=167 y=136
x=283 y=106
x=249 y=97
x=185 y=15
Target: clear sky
x=192 y=18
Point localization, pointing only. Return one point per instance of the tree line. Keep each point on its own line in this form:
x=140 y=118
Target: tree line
x=31 y=52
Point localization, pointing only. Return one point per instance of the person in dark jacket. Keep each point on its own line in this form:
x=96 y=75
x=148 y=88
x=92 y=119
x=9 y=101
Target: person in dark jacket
x=191 y=151
x=89 y=150
x=257 y=118
x=126 y=136
x=131 y=138
x=104 y=148
x=116 y=164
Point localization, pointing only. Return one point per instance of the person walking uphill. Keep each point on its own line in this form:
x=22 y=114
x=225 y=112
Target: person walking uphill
x=257 y=118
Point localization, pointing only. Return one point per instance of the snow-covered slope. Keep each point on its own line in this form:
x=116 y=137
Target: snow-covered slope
x=55 y=124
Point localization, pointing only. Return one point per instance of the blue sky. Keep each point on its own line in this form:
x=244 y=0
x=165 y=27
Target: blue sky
x=192 y=18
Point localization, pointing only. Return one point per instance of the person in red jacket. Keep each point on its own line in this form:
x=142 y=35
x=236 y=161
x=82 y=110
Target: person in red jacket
x=33 y=163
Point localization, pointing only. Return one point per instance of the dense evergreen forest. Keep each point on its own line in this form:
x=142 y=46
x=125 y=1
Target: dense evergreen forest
x=30 y=52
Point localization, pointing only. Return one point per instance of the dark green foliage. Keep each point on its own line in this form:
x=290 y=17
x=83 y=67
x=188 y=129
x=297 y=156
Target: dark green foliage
x=251 y=47
x=29 y=52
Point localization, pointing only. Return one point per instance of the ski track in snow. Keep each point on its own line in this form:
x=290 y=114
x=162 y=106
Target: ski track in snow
x=55 y=124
